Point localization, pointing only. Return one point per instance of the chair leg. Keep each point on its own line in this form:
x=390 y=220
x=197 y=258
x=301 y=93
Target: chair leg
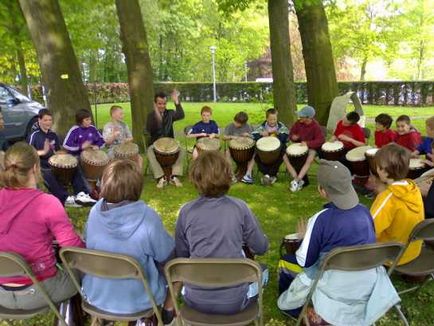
x=401 y=315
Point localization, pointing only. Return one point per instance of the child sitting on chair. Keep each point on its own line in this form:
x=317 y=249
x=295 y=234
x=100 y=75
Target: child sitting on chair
x=349 y=132
x=216 y=226
x=341 y=298
x=204 y=128
x=408 y=136
x=426 y=146
x=116 y=131
x=383 y=134
x=399 y=207
x=122 y=223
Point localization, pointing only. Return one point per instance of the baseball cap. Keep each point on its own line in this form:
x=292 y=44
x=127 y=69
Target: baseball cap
x=306 y=112
x=336 y=180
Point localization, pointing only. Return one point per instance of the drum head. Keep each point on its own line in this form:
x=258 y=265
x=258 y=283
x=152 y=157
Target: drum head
x=208 y=144
x=126 y=149
x=332 y=146
x=268 y=144
x=371 y=152
x=357 y=154
x=63 y=160
x=241 y=143
x=416 y=163
x=95 y=157
x=297 y=149
x=166 y=145
x=292 y=236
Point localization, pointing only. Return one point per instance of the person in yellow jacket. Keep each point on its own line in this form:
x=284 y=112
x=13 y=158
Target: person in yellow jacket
x=399 y=206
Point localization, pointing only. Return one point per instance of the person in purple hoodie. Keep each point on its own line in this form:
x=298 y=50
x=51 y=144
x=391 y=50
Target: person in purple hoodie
x=83 y=135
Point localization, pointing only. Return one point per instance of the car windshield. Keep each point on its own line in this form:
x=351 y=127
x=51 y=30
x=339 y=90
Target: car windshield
x=18 y=95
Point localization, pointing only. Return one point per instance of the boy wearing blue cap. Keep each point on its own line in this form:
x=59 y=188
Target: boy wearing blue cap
x=308 y=132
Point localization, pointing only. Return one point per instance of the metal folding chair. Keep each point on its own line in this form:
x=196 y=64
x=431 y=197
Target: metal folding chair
x=215 y=273
x=107 y=265
x=355 y=258
x=12 y=264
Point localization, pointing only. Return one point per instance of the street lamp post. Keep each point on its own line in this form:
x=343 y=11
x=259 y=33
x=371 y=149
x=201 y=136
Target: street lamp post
x=213 y=48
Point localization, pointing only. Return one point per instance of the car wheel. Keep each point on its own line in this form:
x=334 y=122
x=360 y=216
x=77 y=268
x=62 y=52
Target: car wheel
x=31 y=127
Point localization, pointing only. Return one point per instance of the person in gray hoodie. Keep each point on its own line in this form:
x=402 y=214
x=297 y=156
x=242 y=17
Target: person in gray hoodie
x=121 y=223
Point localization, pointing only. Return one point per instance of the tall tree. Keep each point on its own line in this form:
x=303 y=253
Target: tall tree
x=283 y=79
x=135 y=48
x=59 y=66
x=322 y=86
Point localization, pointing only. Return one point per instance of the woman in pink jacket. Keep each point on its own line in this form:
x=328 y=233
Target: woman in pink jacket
x=29 y=222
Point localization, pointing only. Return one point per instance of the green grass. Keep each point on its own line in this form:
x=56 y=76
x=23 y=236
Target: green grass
x=276 y=207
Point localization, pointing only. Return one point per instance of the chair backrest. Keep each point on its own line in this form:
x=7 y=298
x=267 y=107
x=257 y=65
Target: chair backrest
x=187 y=129
x=105 y=265
x=12 y=264
x=424 y=230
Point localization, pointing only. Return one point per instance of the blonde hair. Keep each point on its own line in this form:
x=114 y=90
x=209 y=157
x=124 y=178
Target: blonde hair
x=121 y=180
x=18 y=161
x=115 y=108
x=211 y=174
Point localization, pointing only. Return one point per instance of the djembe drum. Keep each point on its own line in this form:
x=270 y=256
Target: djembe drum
x=63 y=167
x=268 y=149
x=242 y=150
x=297 y=155
x=207 y=144
x=416 y=168
x=93 y=163
x=332 y=151
x=370 y=157
x=166 y=151
x=290 y=243
x=358 y=163
x=126 y=151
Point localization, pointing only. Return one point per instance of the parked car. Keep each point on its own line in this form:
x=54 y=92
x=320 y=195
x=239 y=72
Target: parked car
x=19 y=112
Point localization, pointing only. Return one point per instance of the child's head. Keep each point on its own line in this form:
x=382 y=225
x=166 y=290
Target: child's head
x=206 y=113
x=392 y=162
x=271 y=116
x=403 y=124
x=121 y=180
x=160 y=100
x=383 y=122
x=351 y=118
x=306 y=114
x=83 y=118
x=21 y=162
x=240 y=119
x=117 y=113
x=430 y=127
x=211 y=174
x=45 y=119
x=335 y=184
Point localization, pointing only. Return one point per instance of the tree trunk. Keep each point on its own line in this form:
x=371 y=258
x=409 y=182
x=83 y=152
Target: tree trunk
x=420 y=60
x=136 y=50
x=283 y=79
x=322 y=86
x=60 y=71
x=363 y=69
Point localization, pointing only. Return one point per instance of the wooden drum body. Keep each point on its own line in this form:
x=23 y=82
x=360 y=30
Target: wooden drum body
x=93 y=163
x=242 y=150
x=416 y=169
x=290 y=243
x=359 y=164
x=333 y=151
x=166 y=151
x=126 y=151
x=63 y=166
x=268 y=149
x=297 y=155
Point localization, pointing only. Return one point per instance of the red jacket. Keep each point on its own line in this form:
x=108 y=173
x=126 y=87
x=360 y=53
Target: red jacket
x=385 y=137
x=354 y=131
x=409 y=140
x=309 y=133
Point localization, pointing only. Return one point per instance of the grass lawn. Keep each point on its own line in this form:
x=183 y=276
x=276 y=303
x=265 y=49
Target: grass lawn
x=276 y=207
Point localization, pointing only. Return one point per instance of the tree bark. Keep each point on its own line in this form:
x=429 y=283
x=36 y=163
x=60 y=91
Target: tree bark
x=322 y=86
x=136 y=50
x=283 y=79
x=363 y=69
x=59 y=66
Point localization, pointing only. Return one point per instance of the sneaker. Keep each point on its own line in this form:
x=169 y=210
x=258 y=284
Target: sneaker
x=175 y=181
x=293 y=186
x=265 y=180
x=234 y=179
x=300 y=185
x=84 y=199
x=273 y=179
x=247 y=179
x=161 y=183
x=70 y=202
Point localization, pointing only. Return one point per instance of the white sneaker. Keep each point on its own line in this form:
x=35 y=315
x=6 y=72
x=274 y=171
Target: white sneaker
x=161 y=183
x=273 y=180
x=175 y=181
x=84 y=199
x=266 y=180
x=70 y=202
x=300 y=185
x=293 y=186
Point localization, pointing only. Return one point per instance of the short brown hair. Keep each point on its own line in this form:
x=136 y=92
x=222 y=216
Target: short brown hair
x=114 y=108
x=205 y=109
x=403 y=118
x=394 y=159
x=384 y=119
x=211 y=174
x=270 y=111
x=353 y=117
x=81 y=115
x=241 y=117
x=18 y=161
x=121 y=180
x=430 y=122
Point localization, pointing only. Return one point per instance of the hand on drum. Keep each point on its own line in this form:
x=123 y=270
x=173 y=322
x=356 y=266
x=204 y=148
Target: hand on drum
x=301 y=228
x=345 y=138
x=295 y=138
x=212 y=136
x=265 y=133
x=245 y=134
